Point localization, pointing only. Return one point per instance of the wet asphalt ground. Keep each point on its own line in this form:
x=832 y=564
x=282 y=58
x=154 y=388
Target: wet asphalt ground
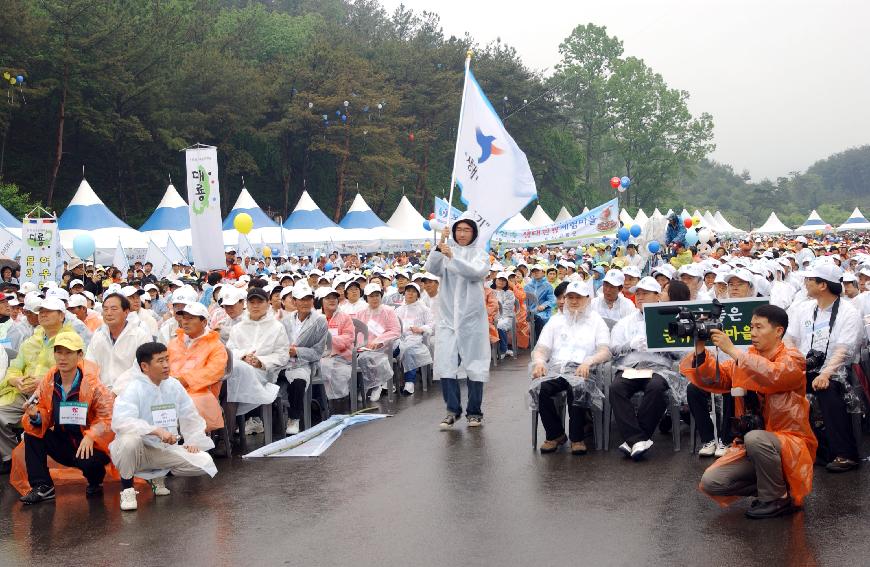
x=401 y=492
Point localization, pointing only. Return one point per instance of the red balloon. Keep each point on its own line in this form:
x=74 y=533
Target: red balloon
x=614 y=182
x=687 y=223
x=411 y=136
x=431 y=216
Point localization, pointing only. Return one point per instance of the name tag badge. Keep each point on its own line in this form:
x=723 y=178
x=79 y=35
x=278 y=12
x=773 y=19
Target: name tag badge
x=73 y=413
x=375 y=327
x=164 y=416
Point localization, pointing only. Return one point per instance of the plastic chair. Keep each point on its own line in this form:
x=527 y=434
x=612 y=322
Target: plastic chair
x=673 y=408
x=316 y=380
x=359 y=328
x=225 y=432
x=599 y=431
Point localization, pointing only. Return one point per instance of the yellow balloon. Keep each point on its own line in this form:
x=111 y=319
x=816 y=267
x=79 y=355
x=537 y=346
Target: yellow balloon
x=243 y=223
x=427 y=245
x=818 y=232
x=696 y=221
x=6 y=75
x=12 y=81
x=267 y=252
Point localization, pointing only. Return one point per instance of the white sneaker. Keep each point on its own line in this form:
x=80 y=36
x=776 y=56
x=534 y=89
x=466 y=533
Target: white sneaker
x=253 y=426
x=409 y=387
x=375 y=395
x=158 y=486
x=708 y=449
x=640 y=448
x=292 y=427
x=128 y=499
x=720 y=448
x=625 y=449
x=509 y=352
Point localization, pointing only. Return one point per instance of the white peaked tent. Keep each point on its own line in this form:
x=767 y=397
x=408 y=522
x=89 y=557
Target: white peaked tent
x=564 y=214
x=265 y=231
x=772 y=226
x=408 y=221
x=684 y=213
x=640 y=218
x=657 y=213
x=625 y=218
x=813 y=223
x=540 y=217
x=725 y=226
x=87 y=214
x=517 y=222
x=708 y=221
x=585 y=210
x=856 y=221
x=170 y=218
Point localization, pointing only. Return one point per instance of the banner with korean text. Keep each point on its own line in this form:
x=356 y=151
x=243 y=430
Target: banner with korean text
x=601 y=221
x=203 y=196
x=41 y=252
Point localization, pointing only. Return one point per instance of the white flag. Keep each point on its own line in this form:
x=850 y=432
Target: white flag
x=175 y=255
x=158 y=258
x=244 y=249
x=492 y=172
x=120 y=259
x=203 y=194
x=10 y=245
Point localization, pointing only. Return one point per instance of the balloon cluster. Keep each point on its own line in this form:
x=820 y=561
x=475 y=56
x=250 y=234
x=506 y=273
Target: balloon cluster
x=13 y=79
x=620 y=184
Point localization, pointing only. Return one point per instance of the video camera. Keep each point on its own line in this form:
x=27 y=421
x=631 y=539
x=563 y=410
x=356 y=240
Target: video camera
x=696 y=324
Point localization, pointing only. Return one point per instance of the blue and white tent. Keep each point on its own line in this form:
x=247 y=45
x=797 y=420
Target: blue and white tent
x=813 y=223
x=308 y=230
x=265 y=230
x=170 y=218
x=87 y=214
x=360 y=215
x=365 y=232
x=7 y=220
x=856 y=221
x=307 y=216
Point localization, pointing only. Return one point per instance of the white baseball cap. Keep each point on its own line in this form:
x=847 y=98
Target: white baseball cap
x=77 y=300
x=693 y=270
x=614 y=278
x=130 y=291
x=151 y=286
x=741 y=274
x=372 y=288
x=414 y=286
x=184 y=294
x=32 y=302
x=196 y=309
x=580 y=288
x=52 y=304
x=847 y=277
x=231 y=295
x=801 y=239
x=74 y=283
x=632 y=271
x=323 y=292
x=27 y=287
x=648 y=283
x=57 y=293
x=302 y=290
x=829 y=272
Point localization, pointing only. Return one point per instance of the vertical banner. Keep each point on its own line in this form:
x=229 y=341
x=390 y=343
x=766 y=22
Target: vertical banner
x=41 y=259
x=203 y=195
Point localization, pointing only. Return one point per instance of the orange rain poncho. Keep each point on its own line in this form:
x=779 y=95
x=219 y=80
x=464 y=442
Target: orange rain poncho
x=522 y=317
x=200 y=368
x=781 y=383
x=492 y=310
x=99 y=424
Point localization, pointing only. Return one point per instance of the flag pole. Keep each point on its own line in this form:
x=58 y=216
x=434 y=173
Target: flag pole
x=458 y=134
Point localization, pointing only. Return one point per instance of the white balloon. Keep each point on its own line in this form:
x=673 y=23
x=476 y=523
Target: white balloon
x=705 y=235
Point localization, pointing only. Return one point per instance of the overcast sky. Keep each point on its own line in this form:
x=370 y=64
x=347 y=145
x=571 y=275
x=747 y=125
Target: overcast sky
x=787 y=82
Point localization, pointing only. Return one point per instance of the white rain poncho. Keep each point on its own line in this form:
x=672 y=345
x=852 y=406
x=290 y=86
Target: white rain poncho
x=248 y=386
x=115 y=357
x=133 y=415
x=413 y=348
x=781 y=294
x=507 y=304
x=462 y=325
x=629 y=349
x=565 y=343
x=335 y=364
x=309 y=337
x=809 y=328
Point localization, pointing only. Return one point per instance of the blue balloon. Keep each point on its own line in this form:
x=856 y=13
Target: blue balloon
x=328 y=267
x=635 y=230
x=623 y=234
x=20 y=79
x=625 y=181
x=691 y=236
x=344 y=118
x=338 y=113
x=654 y=247
x=426 y=226
x=84 y=245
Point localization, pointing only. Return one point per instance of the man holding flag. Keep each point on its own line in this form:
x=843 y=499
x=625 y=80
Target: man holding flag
x=495 y=180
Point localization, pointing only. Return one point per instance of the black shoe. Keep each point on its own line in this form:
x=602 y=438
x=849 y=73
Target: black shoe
x=449 y=421
x=760 y=510
x=6 y=467
x=94 y=490
x=841 y=464
x=39 y=494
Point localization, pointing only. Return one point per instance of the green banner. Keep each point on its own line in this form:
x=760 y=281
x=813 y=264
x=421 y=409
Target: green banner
x=736 y=316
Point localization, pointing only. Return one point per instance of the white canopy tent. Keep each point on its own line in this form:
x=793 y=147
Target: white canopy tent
x=856 y=221
x=265 y=231
x=564 y=214
x=408 y=221
x=725 y=226
x=772 y=226
x=517 y=222
x=708 y=221
x=625 y=218
x=813 y=223
x=540 y=217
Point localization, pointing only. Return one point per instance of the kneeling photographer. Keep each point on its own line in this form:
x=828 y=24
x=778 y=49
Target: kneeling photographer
x=775 y=459
x=827 y=330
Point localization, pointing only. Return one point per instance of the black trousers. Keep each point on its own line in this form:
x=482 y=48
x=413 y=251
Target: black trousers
x=838 y=439
x=699 y=407
x=640 y=426
x=553 y=423
x=62 y=448
x=293 y=393
x=539 y=326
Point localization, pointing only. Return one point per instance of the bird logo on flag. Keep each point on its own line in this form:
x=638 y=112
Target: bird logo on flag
x=487 y=148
